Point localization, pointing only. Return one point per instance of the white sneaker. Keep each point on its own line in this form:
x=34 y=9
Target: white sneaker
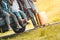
x=10 y=28
x=19 y=27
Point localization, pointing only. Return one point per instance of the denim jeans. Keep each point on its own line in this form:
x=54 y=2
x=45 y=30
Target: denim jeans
x=27 y=6
x=23 y=15
x=8 y=19
x=31 y=4
x=4 y=9
x=32 y=17
x=7 y=12
x=20 y=14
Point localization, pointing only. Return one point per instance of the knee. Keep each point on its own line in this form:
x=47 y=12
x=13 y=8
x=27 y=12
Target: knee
x=7 y=14
x=21 y=11
x=12 y=14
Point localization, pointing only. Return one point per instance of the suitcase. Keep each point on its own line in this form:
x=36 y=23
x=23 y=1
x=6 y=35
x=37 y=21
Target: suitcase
x=41 y=18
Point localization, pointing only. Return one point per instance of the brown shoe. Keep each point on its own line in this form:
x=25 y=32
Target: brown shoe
x=22 y=21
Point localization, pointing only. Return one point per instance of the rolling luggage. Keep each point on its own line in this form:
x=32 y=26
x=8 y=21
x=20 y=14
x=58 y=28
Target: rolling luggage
x=42 y=18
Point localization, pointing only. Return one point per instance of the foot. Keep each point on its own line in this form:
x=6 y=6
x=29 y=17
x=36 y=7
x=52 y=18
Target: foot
x=19 y=27
x=9 y=28
x=26 y=21
x=22 y=21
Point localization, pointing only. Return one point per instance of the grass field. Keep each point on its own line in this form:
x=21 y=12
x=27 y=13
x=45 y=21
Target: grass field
x=52 y=9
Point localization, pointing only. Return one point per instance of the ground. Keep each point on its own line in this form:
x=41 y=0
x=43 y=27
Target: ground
x=52 y=32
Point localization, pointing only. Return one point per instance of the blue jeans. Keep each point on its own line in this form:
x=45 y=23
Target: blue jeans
x=32 y=17
x=31 y=4
x=29 y=12
x=8 y=19
x=23 y=15
x=20 y=14
x=7 y=12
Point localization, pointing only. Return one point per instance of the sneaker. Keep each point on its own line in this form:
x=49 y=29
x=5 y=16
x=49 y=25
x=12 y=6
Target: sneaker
x=19 y=27
x=10 y=28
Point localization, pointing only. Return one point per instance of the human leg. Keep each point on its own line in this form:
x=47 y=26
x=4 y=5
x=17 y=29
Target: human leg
x=7 y=20
x=15 y=19
x=23 y=15
x=19 y=17
x=32 y=18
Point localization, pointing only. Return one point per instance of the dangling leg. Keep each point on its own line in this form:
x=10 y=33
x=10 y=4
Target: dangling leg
x=19 y=17
x=23 y=16
x=15 y=19
x=7 y=20
x=32 y=18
